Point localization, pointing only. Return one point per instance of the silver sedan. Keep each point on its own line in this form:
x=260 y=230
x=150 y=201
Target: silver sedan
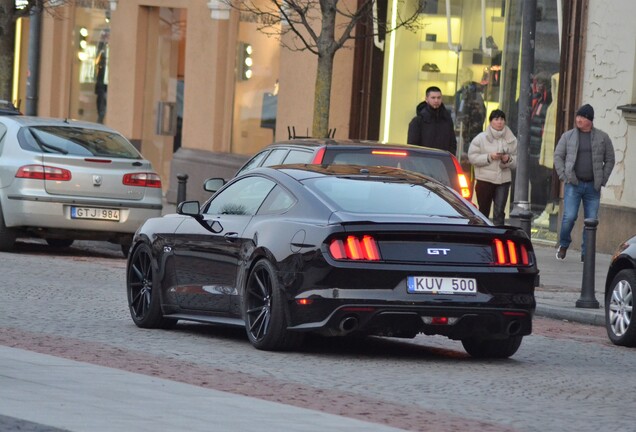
x=63 y=180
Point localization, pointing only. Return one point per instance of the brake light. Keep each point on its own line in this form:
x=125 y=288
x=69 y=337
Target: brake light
x=509 y=253
x=390 y=153
x=97 y=160
x=43 y=172
x=320 y=154
x=150 y=180
x=363 y=248
x=464 y=187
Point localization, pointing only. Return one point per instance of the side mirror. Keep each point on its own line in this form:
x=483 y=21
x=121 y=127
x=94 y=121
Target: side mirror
x=189 y=208
x=213 y=184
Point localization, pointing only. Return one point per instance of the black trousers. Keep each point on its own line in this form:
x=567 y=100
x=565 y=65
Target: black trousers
x=488 y=193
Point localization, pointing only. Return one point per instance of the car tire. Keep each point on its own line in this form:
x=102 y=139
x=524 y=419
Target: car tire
x=7 y=235
x=59 y=243
x=492 y=348
x=619 y=303
x=264 y=311
x=143 y=293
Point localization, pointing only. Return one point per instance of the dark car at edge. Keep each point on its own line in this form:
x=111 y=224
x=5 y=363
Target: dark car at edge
x=336 y=250
x=619 y=295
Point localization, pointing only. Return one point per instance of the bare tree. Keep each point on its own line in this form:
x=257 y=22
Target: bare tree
x=323 y=27
x=10 y=11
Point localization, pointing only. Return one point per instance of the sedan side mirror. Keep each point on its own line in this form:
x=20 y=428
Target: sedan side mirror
x=213 y=184
x=189 y=208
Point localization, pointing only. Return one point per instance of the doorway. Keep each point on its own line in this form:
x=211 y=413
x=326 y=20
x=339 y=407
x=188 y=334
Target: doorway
x=163 y=86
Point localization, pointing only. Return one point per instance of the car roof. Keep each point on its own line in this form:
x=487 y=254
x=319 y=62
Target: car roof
x=305 y=171
x=329 y=142
x=46 y=121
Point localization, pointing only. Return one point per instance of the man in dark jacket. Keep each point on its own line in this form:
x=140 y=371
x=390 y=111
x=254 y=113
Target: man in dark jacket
x=433 y=124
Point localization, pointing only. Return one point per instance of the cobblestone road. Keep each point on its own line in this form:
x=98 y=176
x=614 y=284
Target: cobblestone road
x=564 y=377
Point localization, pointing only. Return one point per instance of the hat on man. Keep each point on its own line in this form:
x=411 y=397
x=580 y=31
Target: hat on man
x=586 y=111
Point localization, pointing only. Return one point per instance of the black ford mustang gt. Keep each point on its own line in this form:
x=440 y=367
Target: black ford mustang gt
x=336 y=250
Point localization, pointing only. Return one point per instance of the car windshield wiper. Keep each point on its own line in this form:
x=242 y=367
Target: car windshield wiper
x=44 y=145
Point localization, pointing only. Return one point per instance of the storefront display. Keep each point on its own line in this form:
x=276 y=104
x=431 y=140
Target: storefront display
x=472 y=53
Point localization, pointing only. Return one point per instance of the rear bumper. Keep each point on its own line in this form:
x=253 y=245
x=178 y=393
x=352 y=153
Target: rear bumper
x=35 y=212
x=406 y=321
x=492 y=312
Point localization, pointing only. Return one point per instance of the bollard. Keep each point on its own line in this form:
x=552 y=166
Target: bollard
x=587 y=299
x=181 y=188
x=525 y=217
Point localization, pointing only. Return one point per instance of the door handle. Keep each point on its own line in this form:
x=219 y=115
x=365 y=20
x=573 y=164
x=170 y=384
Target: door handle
x=231 y=236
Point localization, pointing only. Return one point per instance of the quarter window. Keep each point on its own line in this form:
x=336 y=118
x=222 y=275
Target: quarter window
x=243 y=197
x=275 y=157
x=298 y=156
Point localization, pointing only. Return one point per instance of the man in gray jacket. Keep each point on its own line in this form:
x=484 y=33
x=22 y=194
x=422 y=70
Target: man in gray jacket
x=583 y=159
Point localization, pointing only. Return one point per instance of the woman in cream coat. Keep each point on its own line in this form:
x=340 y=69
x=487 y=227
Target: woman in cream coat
x=493 y=154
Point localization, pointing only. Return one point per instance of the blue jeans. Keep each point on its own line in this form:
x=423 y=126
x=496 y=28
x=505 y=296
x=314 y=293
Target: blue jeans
x=572 y=197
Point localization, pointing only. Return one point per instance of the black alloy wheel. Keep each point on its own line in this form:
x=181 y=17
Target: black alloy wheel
x=619 y=304
x=7 y=235
x=264 y=311
x=492 y=348
x=143 y=296
x=59 y=243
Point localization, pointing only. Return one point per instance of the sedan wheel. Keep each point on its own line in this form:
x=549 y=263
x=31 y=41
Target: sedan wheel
x=143 y=298
x=264 y=311
x=7 y=235
x=59 y=243
x=619 y=302
x=492 y=348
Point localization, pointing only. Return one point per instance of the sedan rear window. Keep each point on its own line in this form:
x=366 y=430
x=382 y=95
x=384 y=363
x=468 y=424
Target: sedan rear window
x=439 y=167
x=76 y=141
x=377 y=196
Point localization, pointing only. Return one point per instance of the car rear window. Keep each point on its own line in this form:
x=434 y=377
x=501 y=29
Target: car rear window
x=388 y=196
x=438 y=166
x=76 y=141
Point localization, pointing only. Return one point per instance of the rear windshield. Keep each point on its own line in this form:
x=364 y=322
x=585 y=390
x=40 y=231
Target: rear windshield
x=76 y=141
x=389 y=196
x=438 y=166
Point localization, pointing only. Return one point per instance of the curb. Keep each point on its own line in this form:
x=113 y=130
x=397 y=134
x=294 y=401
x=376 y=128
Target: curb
x=567 y=314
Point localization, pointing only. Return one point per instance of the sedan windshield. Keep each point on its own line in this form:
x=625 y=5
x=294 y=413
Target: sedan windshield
x=389 y=196
x=76 y=141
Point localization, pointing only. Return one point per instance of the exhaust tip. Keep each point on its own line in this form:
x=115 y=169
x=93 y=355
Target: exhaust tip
x=513 y=328
x=348 y=324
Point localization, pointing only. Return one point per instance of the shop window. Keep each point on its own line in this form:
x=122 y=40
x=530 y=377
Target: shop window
x=256 y=86
x=89 y=85
x=476 y=65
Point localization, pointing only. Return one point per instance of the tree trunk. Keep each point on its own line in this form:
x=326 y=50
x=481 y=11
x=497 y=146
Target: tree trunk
x=322 y=101
x=7 y=41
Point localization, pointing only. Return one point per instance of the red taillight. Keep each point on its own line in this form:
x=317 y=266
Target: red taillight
x=320 y=154
x=355 y=248
x=510 y=253
x=463 y=184
x=464 y=187
x=400 y=153
x=43 y=172
x=150 y=180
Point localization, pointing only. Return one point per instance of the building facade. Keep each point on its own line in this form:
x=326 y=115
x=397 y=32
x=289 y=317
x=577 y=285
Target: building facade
x=198 y=87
